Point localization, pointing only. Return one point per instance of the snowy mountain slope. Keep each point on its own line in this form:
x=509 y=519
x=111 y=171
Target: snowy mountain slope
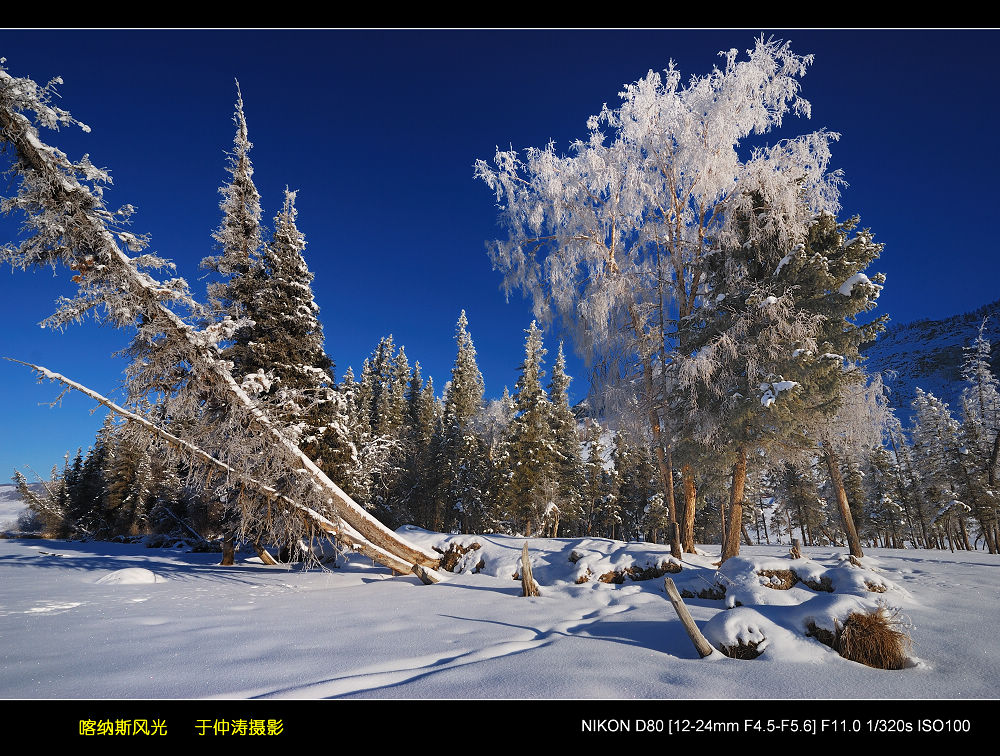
x=929 y=354
x=10 y=506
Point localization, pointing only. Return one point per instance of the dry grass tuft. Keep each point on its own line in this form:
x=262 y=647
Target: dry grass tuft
x=824 y=584
x=877 y=639
x=714 y=592
x=824 y=636
x=451 y=557
x=779 y=580
x=742 y=650
x=874 y=587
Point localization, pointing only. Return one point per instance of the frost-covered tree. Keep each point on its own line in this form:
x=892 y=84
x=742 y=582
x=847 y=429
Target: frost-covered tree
x=464 y=478
x=610 y=241
x=565 y=442
x=288 y=345
x=600 y=506
x=981 y=437
x=775 y=347
x=634 y=487
x=277 y=488
x=534 y=461
x=239 y=241
x=935 y=435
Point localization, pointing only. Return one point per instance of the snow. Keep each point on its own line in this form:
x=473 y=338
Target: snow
x=131 y=576
x=771 y=391
x=95 y=620
x=847 y=287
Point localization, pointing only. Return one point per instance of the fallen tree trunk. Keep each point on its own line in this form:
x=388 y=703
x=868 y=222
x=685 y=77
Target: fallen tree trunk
x=71 y=225
x=701 y=644
x=343 y=533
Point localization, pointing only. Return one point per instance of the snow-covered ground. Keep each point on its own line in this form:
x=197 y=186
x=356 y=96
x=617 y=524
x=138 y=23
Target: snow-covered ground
x=104 y=620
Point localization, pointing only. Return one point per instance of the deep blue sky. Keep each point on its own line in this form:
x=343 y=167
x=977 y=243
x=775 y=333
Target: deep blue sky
x=378 y=130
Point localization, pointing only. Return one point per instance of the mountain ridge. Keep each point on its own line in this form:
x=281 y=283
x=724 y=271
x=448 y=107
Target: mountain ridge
x=929 y=354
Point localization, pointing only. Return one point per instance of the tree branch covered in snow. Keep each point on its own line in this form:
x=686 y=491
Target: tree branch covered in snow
x=68 y=224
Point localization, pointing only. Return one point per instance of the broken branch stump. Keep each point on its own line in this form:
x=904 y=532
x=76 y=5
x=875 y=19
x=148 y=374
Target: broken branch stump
x=702 y=646
x=528 y=585
x=796 y=549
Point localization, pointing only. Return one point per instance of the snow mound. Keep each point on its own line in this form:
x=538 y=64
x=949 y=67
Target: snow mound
x=132 y=576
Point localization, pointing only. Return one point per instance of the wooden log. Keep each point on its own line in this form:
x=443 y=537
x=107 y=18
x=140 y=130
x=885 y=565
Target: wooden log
x=528 y=585
x=427 y=576
x=344 y=533
x=265 y=555
x=701 y=645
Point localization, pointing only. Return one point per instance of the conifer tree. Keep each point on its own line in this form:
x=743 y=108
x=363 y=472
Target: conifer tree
x=981 y=438
x=597 y=480
x=495 y=427
x=421 y=419
x=883 y=514
x=239 y=241
x=464 y=478
x=634 y=488
x=535 y=481
x=170 y=353
x=777 y=349
x=565 y=442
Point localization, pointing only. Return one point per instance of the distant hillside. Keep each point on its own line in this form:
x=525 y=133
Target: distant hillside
x=929 y=354
x=10 y=506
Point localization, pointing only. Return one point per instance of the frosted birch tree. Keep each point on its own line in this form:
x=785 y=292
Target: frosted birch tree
x=609 y=240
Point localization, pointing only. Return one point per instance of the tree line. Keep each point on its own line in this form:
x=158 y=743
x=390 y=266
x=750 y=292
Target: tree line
x=720 y=301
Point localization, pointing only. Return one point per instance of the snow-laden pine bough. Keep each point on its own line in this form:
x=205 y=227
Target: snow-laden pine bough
x=69 y=224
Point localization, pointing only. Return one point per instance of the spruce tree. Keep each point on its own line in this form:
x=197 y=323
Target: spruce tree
x=775 y=349
x=634 y=489
x=461 y=454
x=981 y=438
x=597 y=480
x=565 y=443
x=239 y=241
x=936 y=437
x=535 y=481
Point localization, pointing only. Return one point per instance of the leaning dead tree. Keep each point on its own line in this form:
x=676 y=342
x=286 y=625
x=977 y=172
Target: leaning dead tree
x=273 y=488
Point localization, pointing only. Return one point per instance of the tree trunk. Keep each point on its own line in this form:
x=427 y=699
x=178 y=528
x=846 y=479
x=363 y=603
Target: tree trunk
x=663 y=463
x=796 y=552
x=690 y=502
x=528 y=585
x=833 y=467
x=731 y=547
x=228 y=549
x=965 y=534
x=802 y=524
